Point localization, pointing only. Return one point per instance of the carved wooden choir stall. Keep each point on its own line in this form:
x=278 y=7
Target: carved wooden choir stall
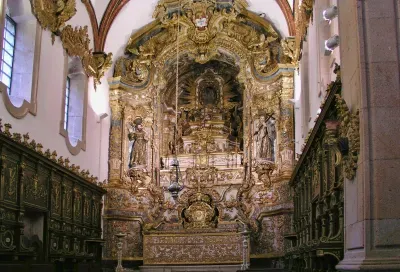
x=330 y=156
x=50 y=211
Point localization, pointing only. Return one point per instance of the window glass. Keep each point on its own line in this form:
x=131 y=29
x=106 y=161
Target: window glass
x=8 y=52
x=67 y=95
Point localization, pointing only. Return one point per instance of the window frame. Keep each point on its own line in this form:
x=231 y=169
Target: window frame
x=7 y=20
x=73 y=148
x=67 y=102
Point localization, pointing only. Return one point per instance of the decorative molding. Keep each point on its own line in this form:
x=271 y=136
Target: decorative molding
x=100 y=32
x=27 y=106
x=349 y=132
x=76 y=43
x=288 y=13
x=96 y=64
x=52 y=16
x=303 y=16
x=93 y=21
x=113 y=9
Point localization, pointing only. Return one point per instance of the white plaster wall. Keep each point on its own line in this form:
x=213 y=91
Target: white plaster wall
x=273 y=13
x=316 y=71
x=45 y=126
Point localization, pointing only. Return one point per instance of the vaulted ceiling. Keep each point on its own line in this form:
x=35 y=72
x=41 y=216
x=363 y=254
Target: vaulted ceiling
x=113 y=21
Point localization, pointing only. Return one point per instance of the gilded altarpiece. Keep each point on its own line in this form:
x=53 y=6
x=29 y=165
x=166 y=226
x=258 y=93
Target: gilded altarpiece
x=225 y=116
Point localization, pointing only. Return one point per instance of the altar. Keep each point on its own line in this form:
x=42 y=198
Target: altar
x=200 y=239
x=184 y=248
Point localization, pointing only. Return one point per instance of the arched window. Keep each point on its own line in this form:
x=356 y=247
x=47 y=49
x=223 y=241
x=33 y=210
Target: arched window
x=20 y=57
x=74 y=105
x=7 y=57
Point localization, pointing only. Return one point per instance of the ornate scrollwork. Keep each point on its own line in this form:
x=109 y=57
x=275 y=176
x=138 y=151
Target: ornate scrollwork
x=206 y=27
x=289 y=50
x=52 y=14
x=264 y=171
x=75 y=41
x=35 y=189
x=200 y=213
x=96 y=64
x=304 y=15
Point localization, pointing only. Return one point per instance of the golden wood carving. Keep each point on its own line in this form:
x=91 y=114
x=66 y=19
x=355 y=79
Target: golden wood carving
x=349 y=130
x=96 y=64
x=218 y=45
x=200 y=213
x=303 y=16
x=205 y=27
x=52 y=14
x=76 y=41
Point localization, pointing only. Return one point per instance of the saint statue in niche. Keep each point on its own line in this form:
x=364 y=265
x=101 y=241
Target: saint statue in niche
x=139 y=147
x=265 y=138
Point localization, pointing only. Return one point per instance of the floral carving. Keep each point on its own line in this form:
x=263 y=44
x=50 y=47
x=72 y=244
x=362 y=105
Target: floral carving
x=52 y=15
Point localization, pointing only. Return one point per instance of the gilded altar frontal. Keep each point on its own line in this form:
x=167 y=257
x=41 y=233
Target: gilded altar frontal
x=199 y=135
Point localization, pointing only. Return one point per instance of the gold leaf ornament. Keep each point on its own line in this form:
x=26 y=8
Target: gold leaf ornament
x=96 y=64
x=76 y=41
x=52 y=14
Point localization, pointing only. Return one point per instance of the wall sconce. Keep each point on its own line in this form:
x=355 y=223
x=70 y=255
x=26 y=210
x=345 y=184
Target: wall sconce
x=331 y=44
x=330 y=13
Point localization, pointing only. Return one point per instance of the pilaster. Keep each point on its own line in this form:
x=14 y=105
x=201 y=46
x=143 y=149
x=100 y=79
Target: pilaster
x=371 y=81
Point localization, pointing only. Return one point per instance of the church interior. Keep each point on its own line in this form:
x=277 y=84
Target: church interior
x=199 y=135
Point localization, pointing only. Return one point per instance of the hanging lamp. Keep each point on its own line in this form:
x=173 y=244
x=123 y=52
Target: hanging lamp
x=175 y=187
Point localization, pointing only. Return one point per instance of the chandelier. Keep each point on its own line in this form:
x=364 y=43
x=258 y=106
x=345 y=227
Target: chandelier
x=175 y=187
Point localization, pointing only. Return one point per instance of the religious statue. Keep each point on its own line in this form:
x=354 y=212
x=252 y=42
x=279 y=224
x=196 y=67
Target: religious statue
x=139 y=147
x=265 y=138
